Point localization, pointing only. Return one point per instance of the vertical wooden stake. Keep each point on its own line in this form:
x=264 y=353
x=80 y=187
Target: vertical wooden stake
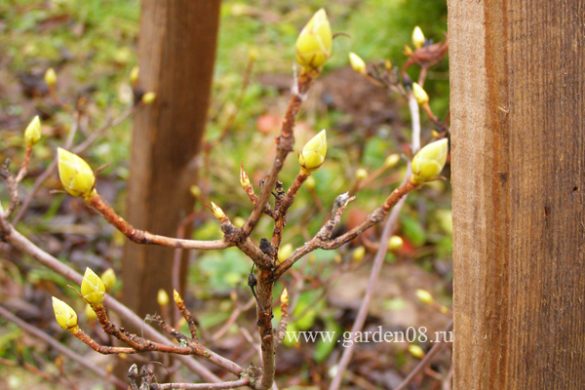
x=518 y=175
x=177 y=53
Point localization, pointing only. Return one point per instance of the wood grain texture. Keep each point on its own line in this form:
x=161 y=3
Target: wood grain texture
x=177 y=46
x=518 y=175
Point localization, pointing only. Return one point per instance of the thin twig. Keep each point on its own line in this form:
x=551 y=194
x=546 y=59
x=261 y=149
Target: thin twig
x=202 y=386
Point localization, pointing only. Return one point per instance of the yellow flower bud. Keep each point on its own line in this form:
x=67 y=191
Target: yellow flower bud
x=90 y=314
x=109 y=279
x=162 y=298
x=357 y=64
x=217 y=212
x=314 y=43
x=284 y=252
x=92 y=288
x=424 y=296
x=148 y=98
x=32 y=133
x=361 y=174
x=76 y=175
x=177 y=298
x=310 y=183
x=391 y=160
x=388 y=65
x=420 y=94
x=50 y=78
x=416 y=351
x=134 y=74
x=428 y=163
x=407 y=50
x=313 y=154
x=284 y=297
x=65 y=315
x=418 y=37
x=395 y=243
x=358 y=254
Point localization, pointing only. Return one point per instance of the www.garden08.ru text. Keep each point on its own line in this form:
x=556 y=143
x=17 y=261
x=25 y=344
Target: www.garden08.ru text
x=409 y=335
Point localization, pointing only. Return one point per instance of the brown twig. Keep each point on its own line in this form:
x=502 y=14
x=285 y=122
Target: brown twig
x=284 y=145
x=103 y=349
x=322 y=239
x=202 y=386
x=282 y=206
x=144 y=237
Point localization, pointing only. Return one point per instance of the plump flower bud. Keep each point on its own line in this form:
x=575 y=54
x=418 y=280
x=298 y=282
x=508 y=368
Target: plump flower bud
x=357 y=64
x=217 y=212
x=395 y=243
x=92 y=288
x=313 y=154
x=109 y=279
x=65 y=315
x=284 y=252
x=284 y=297
x=391 y=160
x=76 y=175
x=50 y=78
x=416 y=351
x=420 y=94
x=148 y=98
x=424 y=296
x=90 y=314
x=32 y=133
x=314 y=43
x=418 y=37
x=428 y=163
x=162 y=298
x=134 y=74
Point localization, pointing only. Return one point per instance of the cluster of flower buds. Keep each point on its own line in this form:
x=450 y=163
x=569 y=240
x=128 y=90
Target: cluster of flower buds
x=314 y=44
x=93 y=292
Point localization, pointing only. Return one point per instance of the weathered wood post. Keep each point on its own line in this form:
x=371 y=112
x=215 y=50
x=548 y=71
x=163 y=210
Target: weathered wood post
x=518 y=175
x=176 y=53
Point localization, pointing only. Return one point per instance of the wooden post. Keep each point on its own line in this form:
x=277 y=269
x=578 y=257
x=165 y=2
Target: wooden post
x=518 y=174
x=176 y=54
